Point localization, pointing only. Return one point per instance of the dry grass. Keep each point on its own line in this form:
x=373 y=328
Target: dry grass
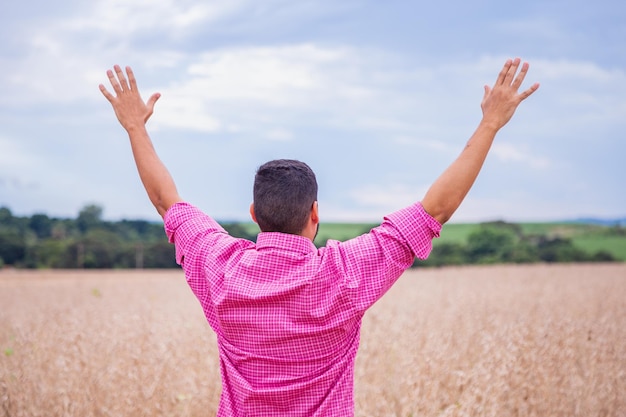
x=474 y=341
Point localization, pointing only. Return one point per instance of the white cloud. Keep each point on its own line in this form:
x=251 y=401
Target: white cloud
x=542 y=28
x=581 y=71
x=583 y=91
x=14 y=158
x=338 y=86
x=371 y=202
x=272 y=75
x=508 y=152
x=250 y=84
x=185 y=112
x=123 y=18
x=431 y=144
x=387 y=196
x=62 y=60
x=279 y=134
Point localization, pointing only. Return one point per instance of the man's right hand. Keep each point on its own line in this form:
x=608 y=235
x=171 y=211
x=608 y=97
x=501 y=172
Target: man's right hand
x=500 y=102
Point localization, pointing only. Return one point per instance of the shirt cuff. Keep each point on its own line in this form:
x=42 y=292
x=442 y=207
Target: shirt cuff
x=183 y=222
x=418 y=228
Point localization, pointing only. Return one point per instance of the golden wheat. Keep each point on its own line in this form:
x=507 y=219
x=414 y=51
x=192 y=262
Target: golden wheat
x=537 y=340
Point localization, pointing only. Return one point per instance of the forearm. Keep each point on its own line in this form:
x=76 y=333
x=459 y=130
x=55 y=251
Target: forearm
x=446 y=194
x=155 y=177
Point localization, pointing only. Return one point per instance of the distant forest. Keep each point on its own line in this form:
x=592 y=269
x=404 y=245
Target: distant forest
x=501 y=242
x=88 y=241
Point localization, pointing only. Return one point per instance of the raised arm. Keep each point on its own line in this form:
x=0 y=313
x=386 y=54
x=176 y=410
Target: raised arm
x=133 y=113
x=498 y=105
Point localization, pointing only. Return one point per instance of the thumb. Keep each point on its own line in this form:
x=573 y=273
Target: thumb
x=487 y=91
x=153 y=99
x=485 y=97
x=150 y=105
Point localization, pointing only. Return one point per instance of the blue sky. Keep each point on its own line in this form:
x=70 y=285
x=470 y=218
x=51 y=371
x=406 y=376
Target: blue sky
x=378 y=97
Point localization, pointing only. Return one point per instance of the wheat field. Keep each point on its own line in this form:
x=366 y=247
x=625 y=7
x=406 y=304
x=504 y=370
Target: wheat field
x=536 y=340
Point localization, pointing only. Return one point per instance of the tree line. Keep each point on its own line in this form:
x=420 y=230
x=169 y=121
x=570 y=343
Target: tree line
x=88 y=241
x=501 y=242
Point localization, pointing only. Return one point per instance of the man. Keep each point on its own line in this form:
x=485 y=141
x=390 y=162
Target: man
x=287 y=315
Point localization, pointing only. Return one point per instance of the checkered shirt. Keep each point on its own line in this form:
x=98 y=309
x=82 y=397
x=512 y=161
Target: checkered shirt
x=287 y=315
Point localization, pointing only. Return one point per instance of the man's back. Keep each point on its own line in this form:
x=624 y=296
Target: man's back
x=286 y=328
x=287 y=315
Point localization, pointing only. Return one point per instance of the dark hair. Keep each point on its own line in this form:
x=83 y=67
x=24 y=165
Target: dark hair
x=284 y=193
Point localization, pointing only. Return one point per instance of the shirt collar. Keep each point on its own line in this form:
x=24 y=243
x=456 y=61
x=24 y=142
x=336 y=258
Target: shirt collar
x=284 y=241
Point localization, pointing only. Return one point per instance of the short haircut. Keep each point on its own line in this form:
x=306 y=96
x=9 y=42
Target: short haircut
x=284 y=193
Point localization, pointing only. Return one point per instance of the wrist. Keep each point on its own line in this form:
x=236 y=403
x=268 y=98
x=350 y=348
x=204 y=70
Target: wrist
x=489 y=125
x=133 y=129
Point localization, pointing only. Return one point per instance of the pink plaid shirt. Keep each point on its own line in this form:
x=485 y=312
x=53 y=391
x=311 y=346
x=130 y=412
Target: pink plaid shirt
x=288 y=315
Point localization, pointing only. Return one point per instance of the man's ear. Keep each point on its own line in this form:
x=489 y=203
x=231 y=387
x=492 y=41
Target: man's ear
x=315 y=216
x=252 y=213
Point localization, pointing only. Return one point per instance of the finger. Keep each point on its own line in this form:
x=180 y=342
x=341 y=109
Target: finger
x=508 y=79
x=131 y=78
x=520 y=77
x=106 y=93
x=114 y=83
x=121 y=78
x=525 y=94
x=503 y=72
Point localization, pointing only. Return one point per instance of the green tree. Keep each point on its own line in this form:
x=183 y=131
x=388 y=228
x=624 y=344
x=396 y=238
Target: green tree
x=11 y=223
x=97 y=249
x=446 y=254
x=238 y=230
x=603 y=256
x=48 y=253
x=6 y=216
x=491 y=244
x=560 y=250
x=89 y=217
x=139 y=230
x=160 y=255
x=524 y=251
x=41 y=224
x=12 y=248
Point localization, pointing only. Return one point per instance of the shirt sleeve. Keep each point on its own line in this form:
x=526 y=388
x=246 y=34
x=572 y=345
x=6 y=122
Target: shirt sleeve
x=188 y=228
x=184 y=224
x=373 y=262
x=417 y=227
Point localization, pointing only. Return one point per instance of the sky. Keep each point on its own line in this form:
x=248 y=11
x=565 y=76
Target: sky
x=377 y=97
